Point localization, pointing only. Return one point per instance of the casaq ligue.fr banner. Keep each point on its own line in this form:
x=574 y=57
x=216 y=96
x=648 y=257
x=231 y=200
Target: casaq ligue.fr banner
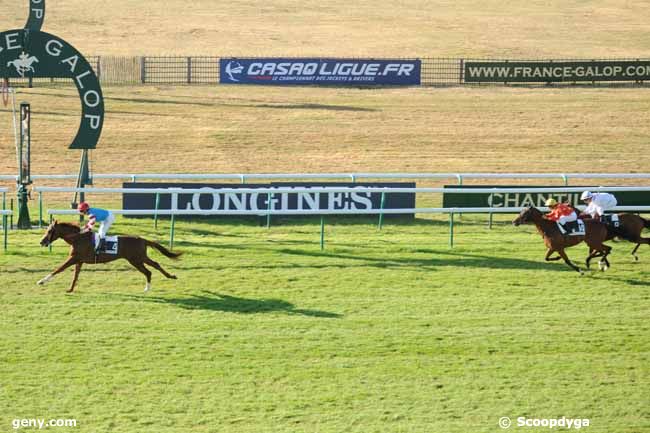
x=278 y=201
x=352 y=72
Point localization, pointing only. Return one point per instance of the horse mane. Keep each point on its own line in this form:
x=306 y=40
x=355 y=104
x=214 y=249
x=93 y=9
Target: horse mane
x=70 y=226
x=67 y=224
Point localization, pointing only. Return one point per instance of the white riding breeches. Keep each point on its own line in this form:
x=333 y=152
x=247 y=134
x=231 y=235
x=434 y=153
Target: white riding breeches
x=105 y=225
x=568 y=218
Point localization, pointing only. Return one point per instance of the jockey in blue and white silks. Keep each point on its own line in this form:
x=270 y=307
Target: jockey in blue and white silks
x=103 y=216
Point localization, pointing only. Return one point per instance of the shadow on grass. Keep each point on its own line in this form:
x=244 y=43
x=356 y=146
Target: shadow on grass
x=231 y=304
x=456 y=260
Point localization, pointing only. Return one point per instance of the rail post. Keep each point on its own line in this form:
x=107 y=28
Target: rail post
x=143 y=70
x=268 y=208
x=40 y=210
x=381 y=209
x=49 y=247
x=565 y=178
x=4 y=229
x=451 y=229
x=155 y=215
x=322 y=233
x=171 y=232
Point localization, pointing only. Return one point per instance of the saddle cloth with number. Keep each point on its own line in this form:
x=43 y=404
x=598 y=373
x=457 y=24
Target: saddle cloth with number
x=575 y=228
x=110 y=244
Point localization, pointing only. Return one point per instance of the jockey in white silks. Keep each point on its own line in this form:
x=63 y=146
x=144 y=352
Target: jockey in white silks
x=597 y=203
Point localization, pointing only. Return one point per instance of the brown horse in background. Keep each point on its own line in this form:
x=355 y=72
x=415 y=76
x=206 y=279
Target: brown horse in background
x=629 y=229
x=595 y=234
x=133 y=249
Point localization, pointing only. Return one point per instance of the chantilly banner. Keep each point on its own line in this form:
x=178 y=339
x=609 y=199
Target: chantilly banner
x=353 y=72
x=516 y=199
x=546 y=72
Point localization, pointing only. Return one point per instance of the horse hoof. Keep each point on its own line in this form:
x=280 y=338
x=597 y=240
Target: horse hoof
x=174 y=277
x=147 y=287
x=636 y=258
x=69 y=291
x=581 y=272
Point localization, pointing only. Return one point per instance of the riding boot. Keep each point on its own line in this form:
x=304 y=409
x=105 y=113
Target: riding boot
x=99 y=246
x=562 y=228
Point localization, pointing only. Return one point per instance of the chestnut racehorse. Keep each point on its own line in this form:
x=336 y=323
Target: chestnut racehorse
x=555 y=241
x=133 y=249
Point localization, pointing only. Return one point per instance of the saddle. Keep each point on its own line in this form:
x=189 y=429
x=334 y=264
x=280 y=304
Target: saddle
x=110 y=244
x=573 y=228
x=610 y=220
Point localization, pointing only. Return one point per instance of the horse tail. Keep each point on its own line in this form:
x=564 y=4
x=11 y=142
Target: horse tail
x=162 y=249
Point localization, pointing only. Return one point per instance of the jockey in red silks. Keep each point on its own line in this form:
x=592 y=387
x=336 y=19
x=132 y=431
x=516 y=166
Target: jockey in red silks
x=561 y=213
x=105 y=218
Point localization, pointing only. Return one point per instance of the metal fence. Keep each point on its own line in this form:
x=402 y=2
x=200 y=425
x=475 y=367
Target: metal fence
x=205 y=70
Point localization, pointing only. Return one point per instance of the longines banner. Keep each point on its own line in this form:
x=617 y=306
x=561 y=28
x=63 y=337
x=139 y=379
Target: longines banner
x=354 y=72
x=279 y=201
x=545 y=72
x=511 y=199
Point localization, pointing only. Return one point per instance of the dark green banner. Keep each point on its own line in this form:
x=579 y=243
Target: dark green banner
x=546 y=72
x=512 y=199
x=35 y=54
x=36 y=15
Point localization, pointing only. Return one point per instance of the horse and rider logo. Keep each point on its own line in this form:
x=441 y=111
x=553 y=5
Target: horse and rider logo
x=23 y=63
x=234 y=68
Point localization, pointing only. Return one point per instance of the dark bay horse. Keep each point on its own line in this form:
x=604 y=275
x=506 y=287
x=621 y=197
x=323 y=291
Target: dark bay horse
x=133 y=249
x=629 y=229
x=555 y=241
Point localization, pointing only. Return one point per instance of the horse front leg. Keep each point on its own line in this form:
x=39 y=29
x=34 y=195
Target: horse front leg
x=568 y=262
x=77 y=268
x=593 y=253
x=548 y=257
x=71 y=261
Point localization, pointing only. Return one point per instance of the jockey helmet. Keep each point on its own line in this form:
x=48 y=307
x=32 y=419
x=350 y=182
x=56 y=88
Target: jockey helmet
x=586 y=195
x=83 y=206
x=550 y=202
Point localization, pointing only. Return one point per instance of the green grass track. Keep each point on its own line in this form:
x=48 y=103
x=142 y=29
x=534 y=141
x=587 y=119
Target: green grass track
x=383 y=331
